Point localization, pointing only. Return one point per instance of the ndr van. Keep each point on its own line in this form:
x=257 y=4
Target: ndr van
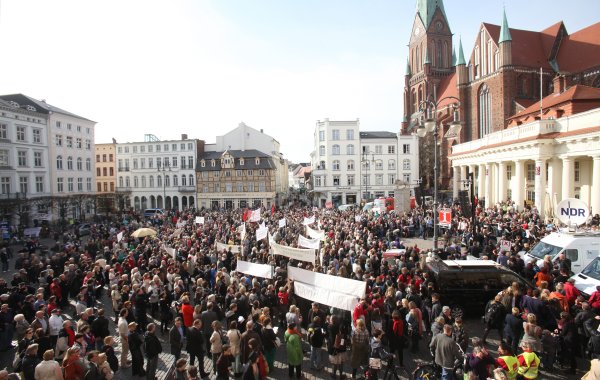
x=589 y=278
x=579 y=247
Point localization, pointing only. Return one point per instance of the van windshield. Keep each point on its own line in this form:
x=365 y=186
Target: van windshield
x=593 y=269
x=542 y=249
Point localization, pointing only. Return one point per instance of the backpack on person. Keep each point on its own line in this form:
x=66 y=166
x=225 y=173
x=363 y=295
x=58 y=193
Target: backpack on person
x=492 y=313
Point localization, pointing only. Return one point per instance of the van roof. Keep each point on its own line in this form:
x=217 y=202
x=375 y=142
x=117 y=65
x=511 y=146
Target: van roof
x=562 y=239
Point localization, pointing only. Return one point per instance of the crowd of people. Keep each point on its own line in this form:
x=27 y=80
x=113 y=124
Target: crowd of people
x=176 y=286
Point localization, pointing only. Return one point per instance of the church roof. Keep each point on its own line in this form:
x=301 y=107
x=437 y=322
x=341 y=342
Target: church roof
x=527 y=47
x=580 y=50
x=426 y=10
x=572 y=94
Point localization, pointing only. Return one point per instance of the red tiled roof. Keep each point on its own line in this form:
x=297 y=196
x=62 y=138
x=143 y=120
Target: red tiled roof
x=580 y=50
x=525 y=102
x=555 y=135
x=577 y=92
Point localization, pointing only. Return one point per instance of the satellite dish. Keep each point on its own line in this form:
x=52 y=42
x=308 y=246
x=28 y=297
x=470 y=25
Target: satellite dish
x=573 y=211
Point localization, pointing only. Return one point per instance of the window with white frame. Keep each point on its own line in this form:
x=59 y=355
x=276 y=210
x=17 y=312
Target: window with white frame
x=379 y=165
x=350 y=165
x=5 y=185
x=366 y=179
x=509 y=172
x=20 y=133
x=335 y=150
x=350 y=178
x=175 y=180
x=24 y=185
x=335 y=134
x=191 y=180
x=59 y=140
x=37 y=135
x=80 y=164
x=69 y=141
x=577 y=171
x=317 y=181
x=378 y=149
x=262 y=186
x=406 y=177
x=70 y=183
x=4 y=161
x=378 y=179
x=174 y=162
x=392 y=164
x=37 y=159
x=406 y=164
x=79 y=184
x=3 y=131
x=335 y=165
x=60 y=185
x=22 y=158
x=350 y=149
x=531 y=172
x=59 y=162
x=89 y=184
x=183 y=179
x=88 y=165
x=349 y=134
x=406 y=148
x=336 y=180
x=78 y=143
x=321 y=150
x=391 y=149
x=391 y=179
x=69 y=163
x=321 y=135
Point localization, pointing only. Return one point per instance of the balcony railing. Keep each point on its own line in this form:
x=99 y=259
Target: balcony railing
x=9 y=196
x=123 y=189
x=187 y=189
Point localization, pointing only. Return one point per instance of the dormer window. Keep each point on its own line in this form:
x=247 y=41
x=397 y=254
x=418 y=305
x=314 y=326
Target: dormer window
x=241 y=162
x=257 y=160
x=213 y=163
x=202 y=163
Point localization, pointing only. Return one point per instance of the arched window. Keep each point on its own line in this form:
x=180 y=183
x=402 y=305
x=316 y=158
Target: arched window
x=151 y=181
x=191 y=180
x=69 y=163
x=167 y=181
x=88 y=164
x=127 y=182
x=392 y=164
x=159 y=181
x=485 y=111
x=135 y=181
x=335 y=165
x=418 y=67
x=406 y=164
x=322 y=150
x=183 y=180
x=143 y=181
x=120 y=181
x=350 y=149
x=175 y=180
x=79 y=164
x=440 y=55
x=335 y=150
x=59 y=162
x=350 y=164
x=445 y=55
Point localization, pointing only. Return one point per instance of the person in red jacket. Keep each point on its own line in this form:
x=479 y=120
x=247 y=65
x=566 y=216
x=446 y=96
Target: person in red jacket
x=397 y=338
x=187 y=311
x=594 y=300
x=571 y=292
x=360 y=311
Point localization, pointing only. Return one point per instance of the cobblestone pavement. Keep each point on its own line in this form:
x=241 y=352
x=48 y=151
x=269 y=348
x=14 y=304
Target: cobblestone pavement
x=166 y=361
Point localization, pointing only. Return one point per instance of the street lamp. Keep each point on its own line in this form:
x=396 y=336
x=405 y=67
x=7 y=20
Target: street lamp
x=368 y=162
x=427 y=123
x=165 y=168
x=469 y=184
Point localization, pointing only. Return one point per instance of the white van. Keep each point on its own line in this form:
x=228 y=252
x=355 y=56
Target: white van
x=579 y=247
x=150 y=212
x=589 y=278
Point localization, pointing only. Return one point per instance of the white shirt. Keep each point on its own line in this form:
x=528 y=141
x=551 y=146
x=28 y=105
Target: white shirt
x=56 y=323
x=123 y=327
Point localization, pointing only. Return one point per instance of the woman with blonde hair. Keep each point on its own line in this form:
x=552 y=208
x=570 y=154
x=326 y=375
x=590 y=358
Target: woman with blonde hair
x=104 y=367
x=360 y=346
x=532 y=333
x=72 y=364
x=21 y=326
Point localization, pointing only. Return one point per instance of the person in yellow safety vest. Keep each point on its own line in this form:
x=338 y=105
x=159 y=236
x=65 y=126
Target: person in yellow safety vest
x=507 y=361
x=529 y=362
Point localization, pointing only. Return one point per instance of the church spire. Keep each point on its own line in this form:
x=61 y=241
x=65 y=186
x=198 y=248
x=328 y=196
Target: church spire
x=461 y=56
x=426 y=9
x=408 y=72
x=453 y=56
x=504 y=30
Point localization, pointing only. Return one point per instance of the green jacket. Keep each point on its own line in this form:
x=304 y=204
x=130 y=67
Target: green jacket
x=293 y=345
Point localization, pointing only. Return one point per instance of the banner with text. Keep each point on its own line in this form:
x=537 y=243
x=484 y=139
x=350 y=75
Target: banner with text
x=253 y=269
x=308 y=221
x=308 y=243
x=300 y=254
x=282 y=223
x=255 y=216
x=315 y=234
x=199 y=220
x=261 y=233
x=325 y=296
x=225 y=247
x=338 y=284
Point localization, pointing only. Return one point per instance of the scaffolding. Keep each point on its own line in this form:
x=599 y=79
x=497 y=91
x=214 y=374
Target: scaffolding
x=149 y=137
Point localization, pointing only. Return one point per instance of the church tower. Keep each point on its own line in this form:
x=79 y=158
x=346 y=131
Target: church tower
x=429 y=54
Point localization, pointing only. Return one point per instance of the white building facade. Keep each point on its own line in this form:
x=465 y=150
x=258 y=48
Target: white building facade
x=24 y=165
x=539 y=163
x=350 y=167
x=70 y=140
x=157 y=174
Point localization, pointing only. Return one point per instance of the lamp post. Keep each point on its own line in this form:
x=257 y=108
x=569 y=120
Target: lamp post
x=419 y=184
x=373 y=161
x=163 y=169
x=428 y=123
x=469 y=184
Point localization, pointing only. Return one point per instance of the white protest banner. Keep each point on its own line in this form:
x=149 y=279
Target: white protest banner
x=255 y=216
x=199 y=220
x=338 y=284
x=308 y=221
x=357 y=218
x=242 y=230
x=253 y=269
x=225 y=247
x=181 y=223
x=505 y=245
x=261 y=233
x=315 y=234
x=300 y=254
x=170 y=251
x=281 y=222
x=32 y=231
x=119 y=237
x=270 y=238
x=325 y=296
x=308 y=243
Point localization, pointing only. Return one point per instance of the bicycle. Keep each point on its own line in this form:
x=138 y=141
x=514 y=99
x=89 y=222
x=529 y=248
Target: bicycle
x=392 y=371
x=432 y=371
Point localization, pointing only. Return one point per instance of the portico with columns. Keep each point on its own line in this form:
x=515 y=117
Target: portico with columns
x=538 y=163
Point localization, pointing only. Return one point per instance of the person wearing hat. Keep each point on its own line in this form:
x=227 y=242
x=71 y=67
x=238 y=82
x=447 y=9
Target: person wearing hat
x=135 y=347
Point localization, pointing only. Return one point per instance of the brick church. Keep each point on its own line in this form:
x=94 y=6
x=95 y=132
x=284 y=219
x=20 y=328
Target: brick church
x=498 y=81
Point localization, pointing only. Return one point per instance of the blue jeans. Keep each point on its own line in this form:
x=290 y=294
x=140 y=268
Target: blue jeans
x=316 y=354
x=447 y=374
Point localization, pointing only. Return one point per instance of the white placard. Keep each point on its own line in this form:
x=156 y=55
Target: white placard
x=255 y=216
x=325 y=296
x=505 y=245
x=170 y=251
x=181 y=223
x=308 y=221
x=32 y=231
x=199 y=220
x=308 y=243
x=253 y=269
x=300 y=254
x=242 y=230
x=261 y=233
x=315 y=234
x=225 y=247
x=119 y=237
x=338 y=284
x=282 y=223
x=357 y=218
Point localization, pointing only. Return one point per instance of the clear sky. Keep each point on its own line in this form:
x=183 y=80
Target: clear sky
x=201 y=67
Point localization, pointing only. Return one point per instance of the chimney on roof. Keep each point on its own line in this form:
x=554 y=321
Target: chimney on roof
x=559 y=82
x=261 y=130
x=184 y=136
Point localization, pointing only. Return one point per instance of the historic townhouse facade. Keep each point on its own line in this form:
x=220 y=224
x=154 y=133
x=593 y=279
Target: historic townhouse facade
x=157 y=174
x=106 y=177
x=351 y=167
x=236 y=179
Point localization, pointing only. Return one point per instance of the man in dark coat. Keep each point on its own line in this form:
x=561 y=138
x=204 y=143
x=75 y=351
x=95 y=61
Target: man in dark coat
x=100 y=329
x=246 y=336
x=195 y=345
x=177 y=336
x=153 y=348
x=135 y=347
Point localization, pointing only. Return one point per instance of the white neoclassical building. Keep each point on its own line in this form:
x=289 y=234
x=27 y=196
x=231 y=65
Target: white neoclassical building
x=539 y=162
x=350 y=165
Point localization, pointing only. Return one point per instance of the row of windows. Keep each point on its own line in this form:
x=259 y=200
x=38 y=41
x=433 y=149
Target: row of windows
x=105 y=172
x=227 y=162
x=110 y=158
x=335 y=134
x=166 y=162
x=23 y=158
x=21 y=134
x=104 y=186
x=238 y=173
x=5 y=185
x=60 y=184
x=79 y=162
x=156 y=148
x=69 y=142
x=336 y=149
x=366 y=165
x=59 y=125
x=141 y=181
x=349 y=180
x=239 y=187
